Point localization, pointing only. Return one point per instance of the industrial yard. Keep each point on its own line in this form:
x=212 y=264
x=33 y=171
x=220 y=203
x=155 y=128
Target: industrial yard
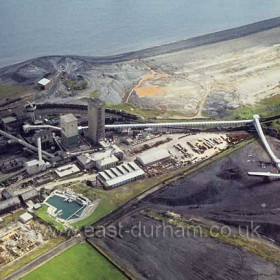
x=72 y=170
x=160 y=163
x=23 y=238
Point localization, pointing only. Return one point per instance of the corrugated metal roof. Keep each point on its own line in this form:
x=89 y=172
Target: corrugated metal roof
x=7 y=194
x=5 y=204
x=128 y=174
x=29 y=195
x=153 y=155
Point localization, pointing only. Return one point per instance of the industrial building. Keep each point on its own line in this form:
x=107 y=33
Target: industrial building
x=28 y=195
x=104 y=160
x=7 y=194
x=100 y=160
x=9 y=204
x=10 y=123
x=11 y=165
x=153 y=156
x=67 y=170
x=117 y=152
x=85 y=161
x=69 y=130
x=120 y=175
x=30 y=109
x=25 y=217
x=46 y=138
x=44 y=84
x=96 y=120
x=36 y=165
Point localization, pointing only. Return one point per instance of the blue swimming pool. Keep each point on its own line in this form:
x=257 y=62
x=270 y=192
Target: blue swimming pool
x=65 y=209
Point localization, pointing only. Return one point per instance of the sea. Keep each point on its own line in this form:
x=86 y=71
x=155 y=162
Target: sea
x=33 y=28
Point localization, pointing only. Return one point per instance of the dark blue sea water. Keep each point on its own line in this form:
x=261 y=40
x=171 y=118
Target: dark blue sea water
x=31 y=28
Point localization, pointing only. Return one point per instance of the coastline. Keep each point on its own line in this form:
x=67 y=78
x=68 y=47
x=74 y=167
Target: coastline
x=208 y=39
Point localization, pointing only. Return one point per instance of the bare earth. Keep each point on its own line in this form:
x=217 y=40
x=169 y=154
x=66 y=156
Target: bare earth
x=199 y=76
x=237 y=72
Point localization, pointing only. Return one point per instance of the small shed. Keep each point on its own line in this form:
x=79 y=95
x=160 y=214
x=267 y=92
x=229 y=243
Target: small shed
x=44 y=84
x=26 y=217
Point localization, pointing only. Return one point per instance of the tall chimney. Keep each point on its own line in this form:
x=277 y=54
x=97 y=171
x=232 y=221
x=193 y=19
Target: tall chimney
x=39 y=151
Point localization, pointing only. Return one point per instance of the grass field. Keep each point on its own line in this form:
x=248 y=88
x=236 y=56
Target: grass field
x=79 y=262
x=267 y=107
x=112 y=199
x=42 y=213
x=10 y=91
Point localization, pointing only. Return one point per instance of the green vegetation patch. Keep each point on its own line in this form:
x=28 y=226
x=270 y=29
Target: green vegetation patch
x=94 y=94
x=146 y=114
x=43 y=214
x=267 y=107
x=11 y=218
x=10 y=91
x=79 y=262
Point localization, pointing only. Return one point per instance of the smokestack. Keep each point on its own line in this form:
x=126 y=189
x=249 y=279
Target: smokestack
x=39 y=151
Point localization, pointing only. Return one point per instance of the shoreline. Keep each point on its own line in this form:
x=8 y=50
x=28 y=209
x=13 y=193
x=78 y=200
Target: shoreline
x=208 y=39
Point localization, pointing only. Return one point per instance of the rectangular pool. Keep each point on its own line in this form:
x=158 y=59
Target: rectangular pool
x=65 y=209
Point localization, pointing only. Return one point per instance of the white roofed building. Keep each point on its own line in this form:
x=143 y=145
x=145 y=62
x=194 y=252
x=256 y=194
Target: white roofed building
x=153 y=156
x=119 y=175
x=26 y=217
x=44 y=83
x=67 y=170
x=104 y=160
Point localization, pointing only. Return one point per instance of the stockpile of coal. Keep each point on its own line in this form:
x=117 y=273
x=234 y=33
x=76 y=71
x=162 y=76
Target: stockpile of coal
x=169 y=255
x=222 y=192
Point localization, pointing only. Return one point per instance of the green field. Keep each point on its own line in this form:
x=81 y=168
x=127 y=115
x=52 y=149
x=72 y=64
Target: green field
x=43 y=214
x=267 y=107
x=10 y=91
x=79 y=262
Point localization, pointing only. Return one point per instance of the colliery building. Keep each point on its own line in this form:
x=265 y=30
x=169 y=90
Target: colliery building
x=9 y=205
x=69 y=130
x=11 y=165
x=96 y=120
x=28 y=195
x=7 y=194
x=100 y=160
x=120 y=175
x=153 y=156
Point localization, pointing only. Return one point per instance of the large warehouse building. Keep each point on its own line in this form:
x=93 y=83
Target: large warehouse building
x=120 y=175
x=153 y=156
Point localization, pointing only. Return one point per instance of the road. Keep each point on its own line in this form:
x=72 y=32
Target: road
x=44 y=258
